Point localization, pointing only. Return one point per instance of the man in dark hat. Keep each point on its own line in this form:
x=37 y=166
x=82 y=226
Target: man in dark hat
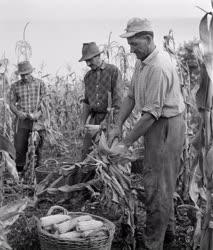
x=155 y=92
x=102 y=90
x=26 y=96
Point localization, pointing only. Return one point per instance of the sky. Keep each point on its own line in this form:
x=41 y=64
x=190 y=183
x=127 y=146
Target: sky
x=58 y=28
x=78 y=9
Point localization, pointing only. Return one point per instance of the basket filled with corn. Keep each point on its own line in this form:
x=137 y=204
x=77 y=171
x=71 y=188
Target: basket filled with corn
x=74 y=231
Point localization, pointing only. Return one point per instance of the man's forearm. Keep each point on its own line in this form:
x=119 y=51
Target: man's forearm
x=85 y=113
x=126 y=109
x=139 y=129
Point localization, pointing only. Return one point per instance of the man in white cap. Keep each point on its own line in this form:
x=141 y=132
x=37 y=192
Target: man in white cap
x=26 y=96
x=155 y=92
x=102 y=82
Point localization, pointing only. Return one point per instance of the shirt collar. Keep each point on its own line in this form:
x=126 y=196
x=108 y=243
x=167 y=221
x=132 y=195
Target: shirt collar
x=151 y=57
x=102 y=66
x=30 y=79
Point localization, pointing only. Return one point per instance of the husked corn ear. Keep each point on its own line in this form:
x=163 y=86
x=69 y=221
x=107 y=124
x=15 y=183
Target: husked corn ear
x=83 y=218
x=70 y=224
x=70 y=235
x=88 y=225
x=92 y=232
x=65 y=226
x=53 y=219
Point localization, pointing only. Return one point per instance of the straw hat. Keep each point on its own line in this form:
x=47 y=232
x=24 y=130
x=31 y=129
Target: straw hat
x=136 y=25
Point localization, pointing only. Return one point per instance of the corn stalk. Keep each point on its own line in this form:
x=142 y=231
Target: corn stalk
x=184 y=74
x=205 y=104
x=23 y=48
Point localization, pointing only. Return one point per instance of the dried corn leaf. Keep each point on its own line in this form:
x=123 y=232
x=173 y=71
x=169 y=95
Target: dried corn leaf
x=10 y=213
x=209 y=164
x=203 y=30
x=195 y=189
x=211 y=30
x=197 y=233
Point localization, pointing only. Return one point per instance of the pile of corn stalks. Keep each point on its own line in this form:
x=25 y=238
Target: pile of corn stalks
x=109 y=186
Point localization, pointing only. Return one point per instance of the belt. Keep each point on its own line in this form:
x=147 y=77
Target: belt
x=94 y=112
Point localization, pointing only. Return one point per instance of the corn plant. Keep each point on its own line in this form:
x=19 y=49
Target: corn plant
x=23 y=48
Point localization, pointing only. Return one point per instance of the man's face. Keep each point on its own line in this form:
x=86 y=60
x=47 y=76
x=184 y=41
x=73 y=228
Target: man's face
x=139 y=46
x=25 y=77
x=94 y=62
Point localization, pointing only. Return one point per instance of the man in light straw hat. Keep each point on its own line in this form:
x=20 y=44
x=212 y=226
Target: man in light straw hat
x=26 y=96
x=102 y=89
x=155 y=92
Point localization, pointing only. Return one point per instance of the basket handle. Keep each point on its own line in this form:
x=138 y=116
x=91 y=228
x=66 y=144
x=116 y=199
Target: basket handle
x=48 y=161
x=67 y=160
x=51 y=210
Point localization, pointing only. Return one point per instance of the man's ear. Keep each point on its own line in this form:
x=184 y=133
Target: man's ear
x=148 y=38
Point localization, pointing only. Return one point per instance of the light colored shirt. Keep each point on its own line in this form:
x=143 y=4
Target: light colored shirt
x=155 y=86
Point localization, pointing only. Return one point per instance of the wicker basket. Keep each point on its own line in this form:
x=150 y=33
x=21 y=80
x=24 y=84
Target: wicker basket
x=52 y=242
x=49 y=166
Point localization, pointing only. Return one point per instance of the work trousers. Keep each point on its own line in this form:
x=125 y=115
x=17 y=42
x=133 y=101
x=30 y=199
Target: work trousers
x=163 y=144
x=22 y=134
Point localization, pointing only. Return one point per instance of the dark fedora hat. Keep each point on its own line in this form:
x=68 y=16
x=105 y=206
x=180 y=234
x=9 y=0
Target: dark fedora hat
x=24 y=68
x=89 y=50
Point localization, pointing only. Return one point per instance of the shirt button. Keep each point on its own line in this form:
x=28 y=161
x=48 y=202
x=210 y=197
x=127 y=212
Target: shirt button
x=97 y=86
x=98 y=103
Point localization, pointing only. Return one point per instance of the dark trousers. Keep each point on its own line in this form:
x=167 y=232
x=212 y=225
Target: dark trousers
x=21 y=144
x=163 y=147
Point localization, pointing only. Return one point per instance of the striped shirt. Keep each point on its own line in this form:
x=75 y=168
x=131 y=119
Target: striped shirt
x=25 y=94
x=155 y=86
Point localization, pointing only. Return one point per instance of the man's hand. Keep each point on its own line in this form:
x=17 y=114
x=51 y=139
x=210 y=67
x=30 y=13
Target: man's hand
x=103 y=125
x=22 y=115
x=116 y=132
x=119 y=148
x=92 y=129
x=35 y=115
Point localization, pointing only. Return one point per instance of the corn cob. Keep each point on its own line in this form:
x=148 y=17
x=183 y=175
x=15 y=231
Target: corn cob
x=70 y=224
x=88 y=225
x=53 y=219
x=92 y=232
x=70 y=235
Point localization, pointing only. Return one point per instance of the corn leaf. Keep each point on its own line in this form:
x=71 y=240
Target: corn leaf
x=203 y=30
x=10 y=213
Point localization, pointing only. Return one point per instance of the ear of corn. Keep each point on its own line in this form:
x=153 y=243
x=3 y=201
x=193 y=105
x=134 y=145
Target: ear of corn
x=93 y=232
x=70 y=224
x=83 y=218
x=88 y=225
x=71 y=235
x=53 y=219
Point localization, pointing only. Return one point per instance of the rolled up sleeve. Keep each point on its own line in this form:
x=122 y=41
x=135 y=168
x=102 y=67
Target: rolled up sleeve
x=155 y=92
